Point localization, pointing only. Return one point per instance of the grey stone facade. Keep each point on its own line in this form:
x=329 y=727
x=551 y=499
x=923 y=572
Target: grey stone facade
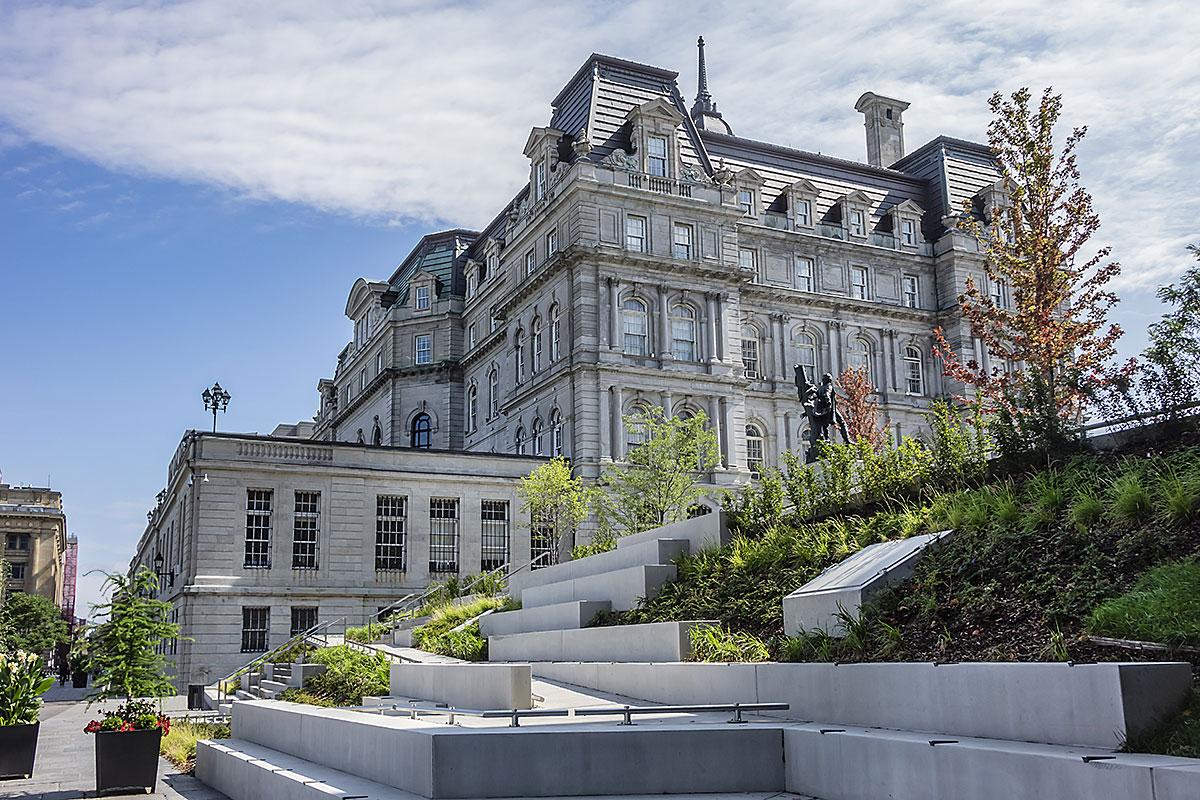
x=655 y=258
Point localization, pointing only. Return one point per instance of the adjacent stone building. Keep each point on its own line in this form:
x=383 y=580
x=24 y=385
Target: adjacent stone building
x=33 y=534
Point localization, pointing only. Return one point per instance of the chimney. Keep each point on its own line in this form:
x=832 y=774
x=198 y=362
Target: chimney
x=885 y=128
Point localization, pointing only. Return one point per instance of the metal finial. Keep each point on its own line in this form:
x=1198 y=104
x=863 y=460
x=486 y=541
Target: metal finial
x=702 y=93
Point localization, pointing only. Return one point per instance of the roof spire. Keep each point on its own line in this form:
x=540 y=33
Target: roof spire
x=704 y=110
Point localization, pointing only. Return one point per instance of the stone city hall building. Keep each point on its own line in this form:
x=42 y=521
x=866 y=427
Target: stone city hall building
x=654 y=258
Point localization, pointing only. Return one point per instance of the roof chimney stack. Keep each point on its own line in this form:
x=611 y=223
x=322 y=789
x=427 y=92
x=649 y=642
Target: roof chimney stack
x=885 y=128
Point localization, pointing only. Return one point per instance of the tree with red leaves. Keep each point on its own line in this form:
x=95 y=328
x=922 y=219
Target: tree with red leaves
x=1054 y=335
x=861 y=411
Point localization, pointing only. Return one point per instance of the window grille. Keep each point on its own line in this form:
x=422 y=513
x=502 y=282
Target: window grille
x=493 y=394
x=806 y=348
x=258 y=529
x=303 y=618
x=542 y=552
x=494 y=534
x=391 y=512
x=306 y=527
x=422 y=431
x=555 y=332
x=256 y=629
x=443 y=534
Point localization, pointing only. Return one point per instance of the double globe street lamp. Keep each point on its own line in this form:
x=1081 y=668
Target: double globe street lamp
x=215 y=399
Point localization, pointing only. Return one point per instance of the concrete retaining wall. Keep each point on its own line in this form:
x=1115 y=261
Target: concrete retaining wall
x=655 y=551
x=703 y=533
x=576 y=614
x=622 y=588
x=656 y=641
x=475 y=686
x=1095 y=705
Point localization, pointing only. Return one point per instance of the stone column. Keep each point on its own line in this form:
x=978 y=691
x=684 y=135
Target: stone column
x=780 y=435
x=711 y=328
x=714 y=419
x=835 y=349
x=893 y=364
x=614 y=313
x=731 y=435
x=667 y=404
x=606 y=448
x=789 y=425
x=719 y=327
x=664 y=326
x=618 y=428
x=782 y=368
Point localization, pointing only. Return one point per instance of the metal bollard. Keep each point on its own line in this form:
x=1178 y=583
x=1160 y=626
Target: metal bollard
x=737 y=715
x=627 y=715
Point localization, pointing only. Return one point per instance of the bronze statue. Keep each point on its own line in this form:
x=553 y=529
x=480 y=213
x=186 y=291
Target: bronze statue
x=820 y=406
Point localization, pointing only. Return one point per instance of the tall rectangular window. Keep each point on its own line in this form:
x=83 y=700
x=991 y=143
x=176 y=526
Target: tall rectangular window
x=750 y=353
x=423 y=348
x=18 y=570
x=912 y=293
x=748 y=262
x=303 y=618
x=379 y=362
x=391 y=512
x=682 y=242
x=635 y=234
x=443 y=534
x=746 y=202
x=422 y=298
x=530 y=262
x=362 y=380
x=656 y=156
x=256 y=628
x=805 y=275
x=306 y=527
x=908 y=232
x=858 y=283
x=999 y=293
x=540 y=180
x=541 y=541
x=471 y=336
x=258 y=529
x=803 y=213
x=551 y=243
x=493 y=516
x=858 y=225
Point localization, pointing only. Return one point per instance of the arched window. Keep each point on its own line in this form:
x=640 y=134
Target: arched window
x=556 y=433
x=519 y=444
x=493 y=394
x=860 y=356
x=754 y=450
x=806 y=350
x=635 y=434
x=914 y=372
x=519 y=353
x=377 y=434
x=535 y=344
x=683 y=332
x=539 y=441
x=472 y=408
x=750 y=355
x=635 y=324
x=555 y=333
x=422 y=430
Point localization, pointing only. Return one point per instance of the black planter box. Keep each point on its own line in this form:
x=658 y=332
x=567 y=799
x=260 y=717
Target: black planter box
x=79 y=680
x=18 y=744
x=126 y=761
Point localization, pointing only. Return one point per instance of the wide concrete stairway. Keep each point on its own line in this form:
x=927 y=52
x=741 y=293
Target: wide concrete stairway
x=558 y=602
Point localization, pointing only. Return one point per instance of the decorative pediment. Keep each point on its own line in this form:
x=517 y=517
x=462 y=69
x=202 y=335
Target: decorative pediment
x=908 y=207
x=657 y=109
x=856 y=198
x=541 y=139
x=748 y=177
x=804 y=187
x=362 y=294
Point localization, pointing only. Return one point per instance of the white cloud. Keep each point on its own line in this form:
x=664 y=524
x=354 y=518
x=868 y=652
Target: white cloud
x=417 y=110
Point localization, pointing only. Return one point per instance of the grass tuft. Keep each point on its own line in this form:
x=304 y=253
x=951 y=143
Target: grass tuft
x=1163 y=607
x=179 y=746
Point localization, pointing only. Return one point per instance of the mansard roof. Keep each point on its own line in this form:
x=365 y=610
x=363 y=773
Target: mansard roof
x=436 y=254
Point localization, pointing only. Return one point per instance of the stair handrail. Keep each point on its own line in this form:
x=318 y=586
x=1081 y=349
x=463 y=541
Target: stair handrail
x=409 y=601
x=258 y=661
x=416 y=709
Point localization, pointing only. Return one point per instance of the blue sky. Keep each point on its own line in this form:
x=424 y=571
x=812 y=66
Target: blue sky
x=188 y=189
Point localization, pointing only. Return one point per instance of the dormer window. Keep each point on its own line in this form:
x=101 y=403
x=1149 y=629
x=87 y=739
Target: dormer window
x=908 y=232
x=746 y=202
x=422 y=302
x=858 y=223
x=804 y=213
x=539 y=182
x=656 y=156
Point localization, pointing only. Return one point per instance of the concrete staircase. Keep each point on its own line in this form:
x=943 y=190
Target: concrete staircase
x=559 y=602
x=270 y=680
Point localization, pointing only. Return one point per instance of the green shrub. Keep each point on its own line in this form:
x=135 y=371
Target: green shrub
x=349 y=675
x=1163 y=606
x=1130 y=500
x=602 y=542
x=179 y=745
x=304 y=696
x=367 y=633
x=1087 y=511
x=467 y=644
x=436 y=635
x=714 y=643
x=864 y=636
x=1179 y=498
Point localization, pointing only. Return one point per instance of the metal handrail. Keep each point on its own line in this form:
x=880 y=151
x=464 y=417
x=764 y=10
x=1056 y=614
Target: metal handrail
x=303 y=636
x=415 y=710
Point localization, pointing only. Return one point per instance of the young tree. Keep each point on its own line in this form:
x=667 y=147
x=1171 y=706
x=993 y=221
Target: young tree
x=660 y=479
x=860 y=408
x=556 y=503
x=32 y=623
x=1056 y=331
x=124 y=648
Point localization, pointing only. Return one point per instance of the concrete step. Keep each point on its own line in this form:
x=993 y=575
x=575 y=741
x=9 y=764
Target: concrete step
x=654 y=551
x=273 y=686
x=623 y=588
x=225 y=708
x=560 y=616
x=560 y=760
x=247 y=771
x=652 y=642
x=242 y=694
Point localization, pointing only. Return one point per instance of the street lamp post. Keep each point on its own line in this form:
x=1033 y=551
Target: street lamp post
x=215 y=399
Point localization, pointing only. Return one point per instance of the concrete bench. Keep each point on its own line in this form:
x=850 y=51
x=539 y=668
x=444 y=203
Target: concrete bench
x=655 y=641
x=474 y=686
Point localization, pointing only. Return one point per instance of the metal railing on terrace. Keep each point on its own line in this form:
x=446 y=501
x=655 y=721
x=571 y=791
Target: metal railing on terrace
x=657 y=183
x=416 y=710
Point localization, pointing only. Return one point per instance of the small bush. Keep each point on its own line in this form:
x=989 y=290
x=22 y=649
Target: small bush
x=602 y=542
x=436 y=636
x=304 y=696
x=1179 y=499
x=367 y=633
x=1163 y=607
x=349 y=675
x=714 y=643
x=179 y=745
x=1130 y=500
x=1087 y=511
x=467 y=644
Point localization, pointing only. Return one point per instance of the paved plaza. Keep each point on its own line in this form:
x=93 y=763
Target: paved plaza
x=66 y=762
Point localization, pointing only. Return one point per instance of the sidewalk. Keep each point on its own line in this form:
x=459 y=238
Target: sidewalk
x=65 y=767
